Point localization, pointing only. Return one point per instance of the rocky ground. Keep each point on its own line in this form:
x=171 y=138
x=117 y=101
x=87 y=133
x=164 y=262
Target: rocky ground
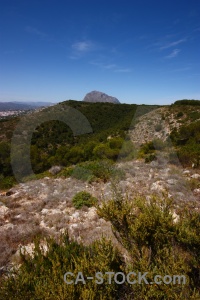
x=159 y=123
x=45 y=206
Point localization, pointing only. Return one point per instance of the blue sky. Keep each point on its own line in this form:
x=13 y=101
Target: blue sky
x=138 y=51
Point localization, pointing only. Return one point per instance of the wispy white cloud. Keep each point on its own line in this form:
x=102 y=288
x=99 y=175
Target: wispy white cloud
x=173 y=54
x=166 y=42
x=82 y=46
x=173 y=44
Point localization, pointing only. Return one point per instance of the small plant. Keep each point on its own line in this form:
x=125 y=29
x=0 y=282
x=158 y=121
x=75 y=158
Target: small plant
x=83 y=199
x=96 y=171
x=147 y=148
x=7 y=182
x=193 y=183
x=159 y=144
x=66 y=172
x=179 y=114
x=150 y=158
x=81 y=173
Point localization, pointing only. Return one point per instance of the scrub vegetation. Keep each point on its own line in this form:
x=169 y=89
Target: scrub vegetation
x=152 y=240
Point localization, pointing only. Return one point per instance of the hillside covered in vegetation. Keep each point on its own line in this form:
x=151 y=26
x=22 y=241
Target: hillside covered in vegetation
x=122 y=198
x=53 y=142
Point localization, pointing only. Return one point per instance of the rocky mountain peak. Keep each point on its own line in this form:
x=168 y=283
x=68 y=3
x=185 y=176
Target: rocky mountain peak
x=96 y=96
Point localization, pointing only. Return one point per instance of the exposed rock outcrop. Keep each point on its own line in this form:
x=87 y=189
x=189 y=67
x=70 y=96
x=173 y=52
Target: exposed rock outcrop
x=96 y=96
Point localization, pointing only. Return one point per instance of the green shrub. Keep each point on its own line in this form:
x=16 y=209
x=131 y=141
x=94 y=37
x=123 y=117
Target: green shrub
x=37 y=176
x=187 y=102
x=150 y=158
x=187 y=143
x=179 y=114
x=189 y=154
x=42 y=277
x=66 y=172
x=103 y=151
x=156 y=244
x=96 y=170
x=5 y=165
x=194 y=115
x=128 y=151
x=147 y=148
x=83 y=199
x=158 y=144
x=116 y=143
x=193 y=183
x=81 y=173
x=7 y=182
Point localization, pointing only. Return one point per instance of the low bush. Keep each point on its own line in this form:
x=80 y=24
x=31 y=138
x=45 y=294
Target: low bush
x=42 y=277
x=159 y=144
x=83 y=199
x=157 y=244
x=187 y=144
x=102 y=170
x=179 y=114
x=116 y=143
x=82 y=173
x=150 y=158
x=7 y=182
x=147 y=148
x=66 y=172
x=189 y=154
x=193 y=183
x=128 y=151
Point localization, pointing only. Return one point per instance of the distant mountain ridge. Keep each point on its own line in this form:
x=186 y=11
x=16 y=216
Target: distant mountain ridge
x=96 y=96
x=6 y=106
